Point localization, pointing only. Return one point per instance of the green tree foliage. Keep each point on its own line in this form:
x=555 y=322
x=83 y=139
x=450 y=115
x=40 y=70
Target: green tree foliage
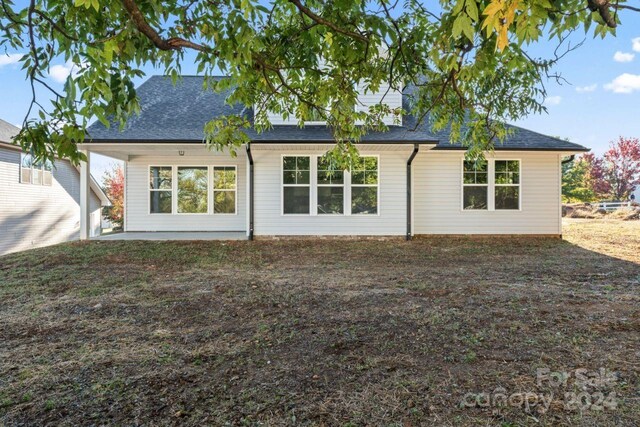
x=300 y=58
x=113 y=184
x=576 y=183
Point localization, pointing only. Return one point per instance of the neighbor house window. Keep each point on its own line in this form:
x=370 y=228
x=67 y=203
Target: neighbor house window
x=224 y=189
x=507 y=184
x=193 y=183
x=33 y=172
x=160 y=189
x=330 y=187
x=475 y=185
x=364 y=186
x=296 y=191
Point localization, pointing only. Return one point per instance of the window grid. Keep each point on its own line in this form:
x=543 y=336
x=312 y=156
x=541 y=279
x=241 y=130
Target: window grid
x=364 y=176
x=507 y=181
x=226 y=187
x=474 y=179
x=157 y=185
x=36 y=173
x=329 y=178
x=296 y=176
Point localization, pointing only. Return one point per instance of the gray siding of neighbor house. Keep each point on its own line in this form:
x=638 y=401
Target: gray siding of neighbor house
x=38 y=215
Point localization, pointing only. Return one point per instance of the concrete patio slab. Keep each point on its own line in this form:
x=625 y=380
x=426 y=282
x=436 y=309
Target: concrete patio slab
x=175 y=235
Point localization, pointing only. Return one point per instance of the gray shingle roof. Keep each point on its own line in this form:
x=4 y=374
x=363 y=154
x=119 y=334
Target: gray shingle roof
x=178 y=113
x=7 y=131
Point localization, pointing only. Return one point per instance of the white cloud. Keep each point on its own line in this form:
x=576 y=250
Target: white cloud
x=635 y=44
x=9 y=58
x=623 y=57
x=588 y=88
x=553 y=100
x=60 y=73
x=624 y=83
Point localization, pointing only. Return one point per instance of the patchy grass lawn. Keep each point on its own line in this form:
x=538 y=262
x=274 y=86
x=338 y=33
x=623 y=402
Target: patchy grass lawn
x=324 y=332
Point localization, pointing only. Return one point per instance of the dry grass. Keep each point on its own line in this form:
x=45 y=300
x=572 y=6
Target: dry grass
x=318 y=333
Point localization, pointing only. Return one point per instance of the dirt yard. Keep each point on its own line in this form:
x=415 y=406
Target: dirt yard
x=432 y=332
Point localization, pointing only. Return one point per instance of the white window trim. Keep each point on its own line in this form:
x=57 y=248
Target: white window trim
x=377 y=185
x=463 y=185
x=174 y=189
x=519 y=185
x=213 y=190
x=491 y=186
x=344 y=191
x=313 y=188
x=312 y=171
x=174 y=202
x=41 y=169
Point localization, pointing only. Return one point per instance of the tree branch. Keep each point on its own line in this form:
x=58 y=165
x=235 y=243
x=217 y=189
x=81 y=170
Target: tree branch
x=320 y=20
x=174 y=43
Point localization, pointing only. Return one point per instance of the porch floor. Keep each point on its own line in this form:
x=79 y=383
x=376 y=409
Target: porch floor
x=174 y=235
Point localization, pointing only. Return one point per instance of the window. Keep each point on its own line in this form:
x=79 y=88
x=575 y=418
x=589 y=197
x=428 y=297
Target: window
x=193 y=183
x=507 y=184
x=364 y=186
x=330 y=188
x=224 y=190
x=475 y=185
x=34 y=172
x=296 y=189
x=160 y=189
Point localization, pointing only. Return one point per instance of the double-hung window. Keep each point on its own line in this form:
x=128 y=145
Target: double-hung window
x=330 y=187
x=160 y=189
x=491 y=185
x=364 y=186
x=507 y=184
x=224 y=189
x=475 y=185
x=193 y=183
x=296 y=184
x=32 y=172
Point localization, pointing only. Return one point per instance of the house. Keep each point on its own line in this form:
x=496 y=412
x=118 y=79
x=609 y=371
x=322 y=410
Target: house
x=40 y=202
x=409 y=182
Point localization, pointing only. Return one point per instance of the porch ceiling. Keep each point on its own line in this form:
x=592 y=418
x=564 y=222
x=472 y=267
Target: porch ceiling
x=127 y=151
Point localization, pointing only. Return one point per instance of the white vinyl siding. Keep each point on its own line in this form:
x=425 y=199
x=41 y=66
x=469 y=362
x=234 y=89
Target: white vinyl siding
x=137 y=191
x=269 y=219
x=438 y=190
x=392 y=98
x=39 y=215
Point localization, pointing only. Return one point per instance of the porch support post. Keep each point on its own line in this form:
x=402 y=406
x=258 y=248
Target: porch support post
x=85 y=188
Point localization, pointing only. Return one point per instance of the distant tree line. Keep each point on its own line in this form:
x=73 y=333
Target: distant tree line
x=613 y=176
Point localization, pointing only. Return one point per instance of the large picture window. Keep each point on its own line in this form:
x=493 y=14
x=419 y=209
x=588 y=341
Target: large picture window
x=224 y=189
x=330 y=188
x=193 y=183
x=160 y=189
x=296 y=174
x=364 y=186
x=33 y=172
x=475 y=185
x=507 y=184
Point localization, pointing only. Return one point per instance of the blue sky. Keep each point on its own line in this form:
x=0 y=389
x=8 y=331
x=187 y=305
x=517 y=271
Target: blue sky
x=600 y=102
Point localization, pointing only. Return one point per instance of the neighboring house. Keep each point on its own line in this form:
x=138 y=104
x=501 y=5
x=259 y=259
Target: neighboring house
x=40 y=203
x=411 y=182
